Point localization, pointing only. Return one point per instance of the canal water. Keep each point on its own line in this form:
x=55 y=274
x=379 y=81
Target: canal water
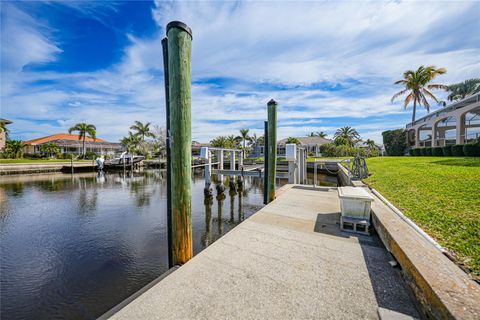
x=74 y=246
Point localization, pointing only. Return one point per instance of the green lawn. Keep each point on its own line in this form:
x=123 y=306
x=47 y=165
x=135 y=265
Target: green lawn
x=38 y=160
x=441 y=194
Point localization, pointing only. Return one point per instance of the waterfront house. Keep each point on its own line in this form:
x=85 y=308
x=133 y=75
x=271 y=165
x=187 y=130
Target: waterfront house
x=3 y=134
x=311 y=144
x=70 y=144
x=457 y=123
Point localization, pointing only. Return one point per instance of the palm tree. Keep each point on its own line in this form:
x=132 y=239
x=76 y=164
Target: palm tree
x=131 y=141
x=244 y=137
x=50 y=148
x=370 y=143
x=255 y=140
x=233 y=142
x=219 y=142
x=417 y=87
x=346 y=135
x=292 y=140
x=460 y=91
x=3 y=128
x=84 y=129
x=320 y=134
x=14 y=148
x=142 y=130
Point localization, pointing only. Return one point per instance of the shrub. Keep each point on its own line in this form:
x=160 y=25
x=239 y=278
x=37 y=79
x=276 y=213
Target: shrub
x=410 y=152
x=422 y=152
x=372 y=152
x=416 y=152
x=428 y=151
x=457 y=150
x=471 y=149
x=34 y=156
x=395 y=142
x=332 y=150
x=90 y=155
x=447 y=151
x=437 y=151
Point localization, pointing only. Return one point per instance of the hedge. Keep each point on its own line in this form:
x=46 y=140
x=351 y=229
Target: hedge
x=447 y=151
x=395 y=142
x=457 y=150
x=332 y=150
x=437 y=151
x=410 y=152
x=428 y=151
x=416 y=152
x=471 y=149
x=422 y=152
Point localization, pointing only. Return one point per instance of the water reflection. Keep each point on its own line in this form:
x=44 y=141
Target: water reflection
x=74 y=245
x=207 y=237
x=220 y=200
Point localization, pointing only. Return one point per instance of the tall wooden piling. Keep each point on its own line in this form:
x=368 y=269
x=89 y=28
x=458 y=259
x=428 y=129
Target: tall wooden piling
x=179 y=38
x=168 y=152
x=265 y=163
x=272 y=148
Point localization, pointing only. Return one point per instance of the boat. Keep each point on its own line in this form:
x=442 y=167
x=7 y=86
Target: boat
x=124 y=160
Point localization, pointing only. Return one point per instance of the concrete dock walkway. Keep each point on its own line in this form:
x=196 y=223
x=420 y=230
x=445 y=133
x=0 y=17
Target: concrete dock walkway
x=287 y=261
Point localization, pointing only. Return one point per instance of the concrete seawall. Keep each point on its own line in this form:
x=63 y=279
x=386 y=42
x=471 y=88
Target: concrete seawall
x=42 y=167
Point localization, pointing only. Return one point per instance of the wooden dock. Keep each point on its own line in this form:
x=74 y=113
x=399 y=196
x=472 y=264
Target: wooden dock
x=287 y=261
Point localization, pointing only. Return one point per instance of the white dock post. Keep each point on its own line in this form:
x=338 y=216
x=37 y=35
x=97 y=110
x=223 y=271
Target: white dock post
x=302 y=166
x=240 y=160
x=208 y=170
x=220 y=159
x=291 y=171
x=292 y=158
x=220 y=188
x=232 y=167
x=232 y=160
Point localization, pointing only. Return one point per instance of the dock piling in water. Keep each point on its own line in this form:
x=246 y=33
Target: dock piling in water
x=272 y=148
x=179 y=41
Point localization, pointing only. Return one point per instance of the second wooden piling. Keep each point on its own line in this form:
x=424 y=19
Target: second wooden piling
x=272 y=148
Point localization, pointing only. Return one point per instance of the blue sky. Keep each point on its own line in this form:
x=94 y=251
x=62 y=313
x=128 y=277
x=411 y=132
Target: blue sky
x=328 y=64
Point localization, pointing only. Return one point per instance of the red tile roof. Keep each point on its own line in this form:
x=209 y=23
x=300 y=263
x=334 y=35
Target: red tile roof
x=60 y=136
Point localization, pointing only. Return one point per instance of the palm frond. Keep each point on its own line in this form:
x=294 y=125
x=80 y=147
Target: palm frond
x=407 y=100
x=437 y=86
x=398 y=94
x=428 y=93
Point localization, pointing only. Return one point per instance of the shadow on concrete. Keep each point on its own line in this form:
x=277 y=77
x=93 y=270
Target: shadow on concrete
x=329 y=223
x=391 y=290
x=389 y=287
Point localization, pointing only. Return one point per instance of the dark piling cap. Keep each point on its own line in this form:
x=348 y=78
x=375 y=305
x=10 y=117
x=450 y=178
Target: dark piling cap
x=180 y=25
x=272 y=102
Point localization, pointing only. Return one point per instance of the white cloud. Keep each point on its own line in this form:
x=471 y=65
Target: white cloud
x=361 y=47
x=23 y=40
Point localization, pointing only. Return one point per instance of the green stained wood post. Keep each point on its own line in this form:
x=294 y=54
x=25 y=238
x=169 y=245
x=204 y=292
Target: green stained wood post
x=272 y=148
x=179 y=38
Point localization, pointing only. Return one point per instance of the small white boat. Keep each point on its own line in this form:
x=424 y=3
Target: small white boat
x=124 y=159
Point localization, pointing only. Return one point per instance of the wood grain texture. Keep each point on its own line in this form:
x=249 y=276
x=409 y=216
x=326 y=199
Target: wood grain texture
x=179 y=58
x=272 y=148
